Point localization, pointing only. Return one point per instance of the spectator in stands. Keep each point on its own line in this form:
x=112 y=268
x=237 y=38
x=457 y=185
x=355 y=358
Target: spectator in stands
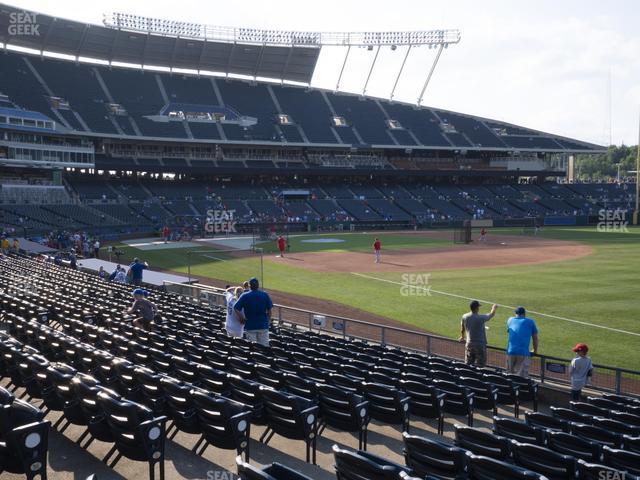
x=5 y=245
x=580 y=370
x=113 y=274
x=233 y=326
x=144 y=309
x=121 y=276
x=85 y=249
x=521 y=331
x=254 y=310
x=135 y=271
x=102 y=273
x=472 y=331
x=73 y=261
x=166 y=233
x=96 y=248
x=15 y=248
x=245 y=286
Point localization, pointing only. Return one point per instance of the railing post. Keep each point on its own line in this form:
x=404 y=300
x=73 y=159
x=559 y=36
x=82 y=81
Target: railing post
x=279 y=314
x=344 y=329
x=383 y=335
x=310 y=321
x=429 y=345
x=618 y=381
x=543 y=367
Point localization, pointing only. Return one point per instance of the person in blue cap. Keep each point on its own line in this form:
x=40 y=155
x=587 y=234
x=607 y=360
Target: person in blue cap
x=253 y=308
x=522 y=332
x=144 y=310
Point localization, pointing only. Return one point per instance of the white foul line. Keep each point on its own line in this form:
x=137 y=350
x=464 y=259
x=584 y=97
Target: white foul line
x=429 y=289
x=214 y=258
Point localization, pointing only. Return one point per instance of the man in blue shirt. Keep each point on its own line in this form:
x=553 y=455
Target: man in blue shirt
x=254 y=310
x=135 y=271
x=522 y=331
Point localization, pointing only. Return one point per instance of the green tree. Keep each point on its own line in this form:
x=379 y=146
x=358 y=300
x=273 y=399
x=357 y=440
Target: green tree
x=604 y=166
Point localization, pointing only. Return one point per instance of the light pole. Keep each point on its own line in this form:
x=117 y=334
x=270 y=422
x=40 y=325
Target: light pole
x=636 y=213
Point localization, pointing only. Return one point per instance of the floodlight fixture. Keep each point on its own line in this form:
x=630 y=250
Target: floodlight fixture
x=138 y=23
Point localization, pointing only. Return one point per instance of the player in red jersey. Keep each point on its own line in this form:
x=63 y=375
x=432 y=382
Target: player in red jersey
x=282 y=244
x=377 y=247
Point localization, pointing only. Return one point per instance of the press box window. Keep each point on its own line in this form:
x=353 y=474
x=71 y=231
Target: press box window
x=394 y=124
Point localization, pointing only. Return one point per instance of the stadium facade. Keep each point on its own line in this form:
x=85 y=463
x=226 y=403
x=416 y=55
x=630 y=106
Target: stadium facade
x=103 y=136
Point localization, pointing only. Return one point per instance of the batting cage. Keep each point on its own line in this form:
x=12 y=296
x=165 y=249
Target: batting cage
x=462 y=234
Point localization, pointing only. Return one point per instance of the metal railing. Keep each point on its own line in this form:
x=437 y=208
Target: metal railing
x=545 y=368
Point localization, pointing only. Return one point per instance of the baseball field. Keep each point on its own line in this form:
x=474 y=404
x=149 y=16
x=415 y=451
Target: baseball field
x=579 y=284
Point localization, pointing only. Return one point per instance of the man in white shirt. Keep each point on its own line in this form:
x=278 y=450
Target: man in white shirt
x=233 y=326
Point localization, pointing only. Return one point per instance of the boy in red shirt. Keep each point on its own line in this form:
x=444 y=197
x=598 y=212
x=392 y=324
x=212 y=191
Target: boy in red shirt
x=376 y=248
x=281 y=245
x=165 y=233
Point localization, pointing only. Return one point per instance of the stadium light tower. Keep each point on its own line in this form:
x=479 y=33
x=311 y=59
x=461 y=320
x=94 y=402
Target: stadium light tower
x=438 y=39
x=636 y=213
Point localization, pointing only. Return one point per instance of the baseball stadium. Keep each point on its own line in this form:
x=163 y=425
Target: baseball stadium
x=213 y=268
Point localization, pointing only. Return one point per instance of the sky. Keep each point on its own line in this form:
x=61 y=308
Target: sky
x=567 y=67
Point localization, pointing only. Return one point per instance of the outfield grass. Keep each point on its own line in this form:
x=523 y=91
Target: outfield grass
x=600 y=289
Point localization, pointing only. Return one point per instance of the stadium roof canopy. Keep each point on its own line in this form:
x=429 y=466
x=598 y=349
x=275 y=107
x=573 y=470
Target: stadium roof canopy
x=57 y=35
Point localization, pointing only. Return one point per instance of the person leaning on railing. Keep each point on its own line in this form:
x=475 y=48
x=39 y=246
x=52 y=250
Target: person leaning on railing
x=472 y=331
x=522 y=332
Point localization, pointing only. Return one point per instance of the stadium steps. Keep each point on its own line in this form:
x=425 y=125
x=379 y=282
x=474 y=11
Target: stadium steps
x=163 y=91
x=38 y=77
x=107 y=94
x=108 y=217
x=185 y=124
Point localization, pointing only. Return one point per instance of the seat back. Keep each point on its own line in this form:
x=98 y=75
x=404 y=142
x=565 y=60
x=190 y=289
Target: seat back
x=355 y=466
x=485 y=468
x=595 y=471
x=343 y=409
x=589 y=409
x=302 y=387
x=425 y=400
x=519 y=431
x=288 y=414
x=543 y=460
x=224 y=422
x=430 y=457
x=577 y=447
x=542 y=420
x=387 y=403
x=597 y=434
x=616 y=426
x=482 y=443
x=622 y=460
x=570 y=415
